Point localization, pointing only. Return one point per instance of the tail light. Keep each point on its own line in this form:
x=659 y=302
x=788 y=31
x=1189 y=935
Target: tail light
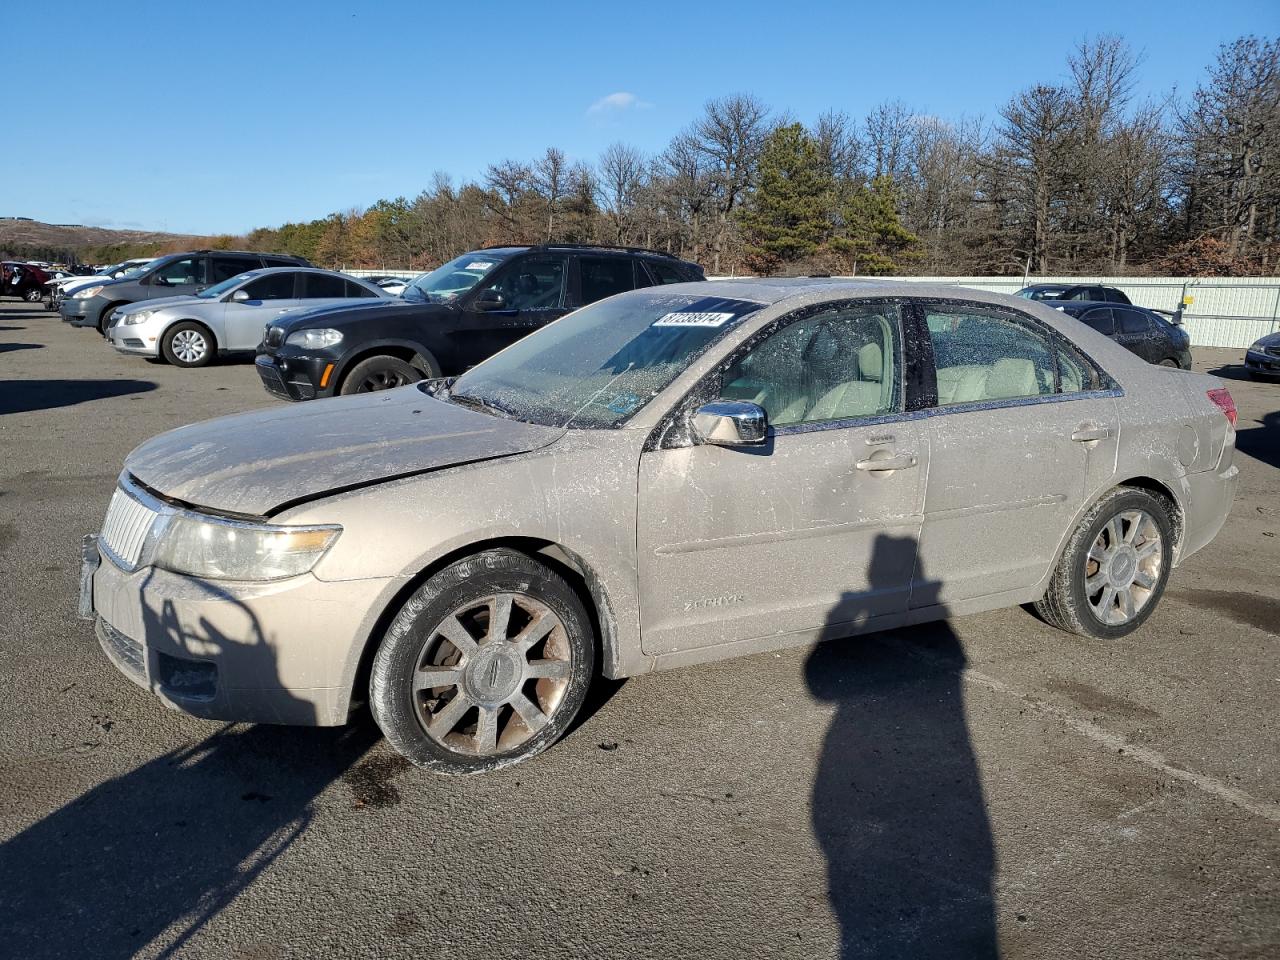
x=1222 y=397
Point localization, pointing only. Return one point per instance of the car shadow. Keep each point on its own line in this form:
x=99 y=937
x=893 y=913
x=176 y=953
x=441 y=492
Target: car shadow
x=1262 y=442
x=145 y=860
x=11 y=347
x=1231 y=372
x=7 y=329
x=898 y=808
x=25 y=396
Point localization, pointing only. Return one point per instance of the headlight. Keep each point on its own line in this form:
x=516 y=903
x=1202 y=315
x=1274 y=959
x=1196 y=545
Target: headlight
x=131 y=319
x=231 y=550
x=314 y=339
x=87 y=292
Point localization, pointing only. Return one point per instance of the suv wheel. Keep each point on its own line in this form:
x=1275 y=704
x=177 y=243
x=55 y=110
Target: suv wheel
x=379 y=373
x=485 y=665
x=187 y=344
x=1115 y=567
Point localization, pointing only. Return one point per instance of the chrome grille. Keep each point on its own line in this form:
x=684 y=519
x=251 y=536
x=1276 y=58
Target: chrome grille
x=125 y=530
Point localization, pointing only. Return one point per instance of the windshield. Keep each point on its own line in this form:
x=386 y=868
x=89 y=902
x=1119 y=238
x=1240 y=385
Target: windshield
x=599 y=365
x=218 y=289
x=1041 y=293
x=452 y=280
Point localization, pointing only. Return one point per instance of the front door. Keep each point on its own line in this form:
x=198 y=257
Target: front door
x=533 y=293
x=1023 y=429
x=269 y=296
x=814 y=530
x=181 y=278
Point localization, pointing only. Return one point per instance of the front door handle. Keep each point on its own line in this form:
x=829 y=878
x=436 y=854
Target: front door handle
x=1089 y=432
x=901 y=461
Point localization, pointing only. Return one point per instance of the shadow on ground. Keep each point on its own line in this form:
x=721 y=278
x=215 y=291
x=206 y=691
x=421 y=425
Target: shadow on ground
x=1261 y=439
x=898 y=807
x=24 y=396
x=13 y=347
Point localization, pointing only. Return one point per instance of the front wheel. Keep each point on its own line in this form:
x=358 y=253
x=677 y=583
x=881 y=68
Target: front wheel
x=486 y=665
x=187 y=344
x=33 y=296
x=379 y=373
x=1169 y=362
x=1114 y=568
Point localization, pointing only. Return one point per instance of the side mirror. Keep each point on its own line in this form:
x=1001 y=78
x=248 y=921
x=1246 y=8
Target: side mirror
x=490 y=300
x=731 y=423
x=240 y=296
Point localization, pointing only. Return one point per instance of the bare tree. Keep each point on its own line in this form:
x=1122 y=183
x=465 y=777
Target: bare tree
x=888 y=133
x=550 y=180
x=730 y=134
x=622 y=170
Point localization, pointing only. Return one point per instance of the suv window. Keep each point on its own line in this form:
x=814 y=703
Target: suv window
x=277 y=286
x=358 y=290
x=666 y=273
x=1131 y=321
x=224 y=268
x=323 y=285
x=1100 y=319
x=643 y=279
x=186 y=270
x=280 y=261
x=604 y=276
x=532 y=283
x=988 y=356
x=837 y=365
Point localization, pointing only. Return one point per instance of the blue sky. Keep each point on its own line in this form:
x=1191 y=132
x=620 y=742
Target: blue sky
x=223 y=116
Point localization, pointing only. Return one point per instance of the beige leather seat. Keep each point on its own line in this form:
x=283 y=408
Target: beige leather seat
x=856 y=398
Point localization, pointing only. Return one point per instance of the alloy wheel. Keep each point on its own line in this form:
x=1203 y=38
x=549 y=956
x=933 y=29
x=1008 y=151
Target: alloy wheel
x=189 y=345
x=382 y=380
x=1123 y=567
x=492 y=674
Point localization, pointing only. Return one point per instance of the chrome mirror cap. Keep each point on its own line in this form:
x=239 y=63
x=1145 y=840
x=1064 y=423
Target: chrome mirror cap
x=731 y=423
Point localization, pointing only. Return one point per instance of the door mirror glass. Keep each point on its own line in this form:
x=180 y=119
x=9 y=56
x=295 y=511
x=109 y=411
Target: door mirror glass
x=491 y=300
x=240 y=296
x=731 y=423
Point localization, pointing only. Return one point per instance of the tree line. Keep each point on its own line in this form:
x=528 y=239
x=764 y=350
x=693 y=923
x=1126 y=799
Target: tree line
x=1077 y=177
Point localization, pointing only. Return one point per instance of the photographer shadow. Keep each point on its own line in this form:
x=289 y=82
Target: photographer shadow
x=898 y=807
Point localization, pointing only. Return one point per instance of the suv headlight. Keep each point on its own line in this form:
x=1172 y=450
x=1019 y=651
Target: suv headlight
x=314 y=339
x=132 y=319
x=232 y=550
x=87 y=292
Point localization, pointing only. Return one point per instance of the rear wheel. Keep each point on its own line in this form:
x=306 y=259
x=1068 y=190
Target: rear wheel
x=486 y=665
x=187 y=344
x=1115 y=566
x=1168 y=362
x=379 y=373
x=34 y=295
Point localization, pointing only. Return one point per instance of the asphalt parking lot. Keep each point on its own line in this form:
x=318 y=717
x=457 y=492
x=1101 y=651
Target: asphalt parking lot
x=948 y=790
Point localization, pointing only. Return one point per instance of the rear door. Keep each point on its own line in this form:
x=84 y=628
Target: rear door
x=1137 y=333
x=1022 y=428
x=1101 y=319
x=602 y=276
x=269 y=297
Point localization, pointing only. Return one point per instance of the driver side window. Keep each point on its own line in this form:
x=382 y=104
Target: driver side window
x=535 y=283
x=180 y=271
x=836 y=365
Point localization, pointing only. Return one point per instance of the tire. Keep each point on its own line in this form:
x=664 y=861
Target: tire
x=188 y=344
x=1169 y=362
x=379 y=373
x=1091 y=558
x=104 y=318
x=33 y=296
x=488 y=687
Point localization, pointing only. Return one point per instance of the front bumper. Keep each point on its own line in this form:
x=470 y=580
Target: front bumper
x=296 y=376
x=1263 y=363
x=137 y=340
x=82 y=313
x=278 y=652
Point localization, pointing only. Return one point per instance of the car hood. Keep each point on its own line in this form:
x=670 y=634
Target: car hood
x=1270 y=340
x=256 y=464
x=355 y=312
x=159 y=303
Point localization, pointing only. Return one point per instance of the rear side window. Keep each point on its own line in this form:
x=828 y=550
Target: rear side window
x=1133 y=322
x=224 y=268
x=987 y=356
x=642 y=275
x=322 y=285
x=277 y=286
x=604 y=276
x=358 y=290
x=1101 y=320
x=1114 y=296
x=666 y=273
x=280 y=261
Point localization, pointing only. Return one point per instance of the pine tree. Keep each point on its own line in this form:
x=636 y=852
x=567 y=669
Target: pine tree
x=787 y=219
x=873 y=239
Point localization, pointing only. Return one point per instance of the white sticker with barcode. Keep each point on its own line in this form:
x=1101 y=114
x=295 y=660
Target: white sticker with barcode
x=693 y=320
x=478 y=265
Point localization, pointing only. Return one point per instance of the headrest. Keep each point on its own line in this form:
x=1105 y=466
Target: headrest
x=1011 y=378
x=871 y=362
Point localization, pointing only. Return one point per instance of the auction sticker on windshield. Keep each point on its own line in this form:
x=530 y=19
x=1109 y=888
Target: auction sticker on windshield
x=693 y=320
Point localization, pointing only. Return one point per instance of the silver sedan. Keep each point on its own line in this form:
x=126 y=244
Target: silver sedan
x=228 y=317
x=668 y=476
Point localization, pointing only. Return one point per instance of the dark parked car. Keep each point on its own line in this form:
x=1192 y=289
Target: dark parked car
x=176 y=275
x=450 y=319
x=1262 y=359
x=1137 y=329
x=1069 y=291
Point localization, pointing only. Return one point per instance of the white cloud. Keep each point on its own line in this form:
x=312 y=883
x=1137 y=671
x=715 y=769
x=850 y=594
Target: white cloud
x=616 y=103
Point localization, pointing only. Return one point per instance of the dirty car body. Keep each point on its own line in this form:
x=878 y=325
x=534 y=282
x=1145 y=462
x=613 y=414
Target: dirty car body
x=713 y=469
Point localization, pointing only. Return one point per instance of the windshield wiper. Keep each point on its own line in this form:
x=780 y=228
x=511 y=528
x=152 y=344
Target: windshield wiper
x=466 y=400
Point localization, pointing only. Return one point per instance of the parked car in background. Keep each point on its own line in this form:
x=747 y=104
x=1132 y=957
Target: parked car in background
x=663 y=478
x=61 y=289
x=178 y=274
x=394 y=285
x=1068 y=291
x=1137 y=329
x=22 y=280
x=1262 y=359
x=450 y=319
x=229 y=317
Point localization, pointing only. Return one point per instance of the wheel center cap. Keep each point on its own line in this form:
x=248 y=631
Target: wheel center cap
x=1123 y=566
x=493 y=675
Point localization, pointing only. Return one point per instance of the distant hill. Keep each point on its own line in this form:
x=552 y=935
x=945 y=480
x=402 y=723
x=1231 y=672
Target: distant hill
x=23 y=236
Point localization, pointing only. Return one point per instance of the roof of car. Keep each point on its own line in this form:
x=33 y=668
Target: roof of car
x=771 y=290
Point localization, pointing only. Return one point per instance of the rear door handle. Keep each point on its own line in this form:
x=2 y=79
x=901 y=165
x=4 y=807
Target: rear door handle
x=1088 y=432
x=901 y=461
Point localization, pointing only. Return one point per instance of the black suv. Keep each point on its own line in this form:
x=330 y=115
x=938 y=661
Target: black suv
x=1072 y=291
x=451 y=318
x=1137 y=329
x=177 y=275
